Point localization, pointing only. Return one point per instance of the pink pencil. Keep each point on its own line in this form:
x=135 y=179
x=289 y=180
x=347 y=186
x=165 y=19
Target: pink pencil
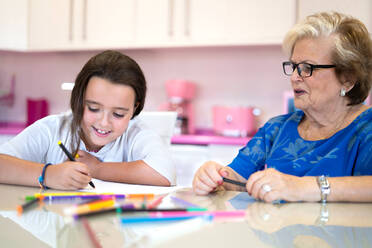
x=216 y=214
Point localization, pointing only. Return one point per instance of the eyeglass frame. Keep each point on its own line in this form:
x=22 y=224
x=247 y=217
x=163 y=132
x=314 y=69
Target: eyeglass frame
x=312 y=67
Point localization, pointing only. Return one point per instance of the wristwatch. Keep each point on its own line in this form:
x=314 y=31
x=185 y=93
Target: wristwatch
x=324 y=187
x=323 y=215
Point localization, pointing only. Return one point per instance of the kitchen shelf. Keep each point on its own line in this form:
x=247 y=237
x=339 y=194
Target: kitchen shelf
x=208 y=140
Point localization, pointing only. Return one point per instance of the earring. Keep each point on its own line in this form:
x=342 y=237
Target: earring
x=342 y=92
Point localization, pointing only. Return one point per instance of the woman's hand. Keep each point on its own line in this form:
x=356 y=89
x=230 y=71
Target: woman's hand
x=270 y=185
x=90 y=160
x=208 y=177
x=67 y=176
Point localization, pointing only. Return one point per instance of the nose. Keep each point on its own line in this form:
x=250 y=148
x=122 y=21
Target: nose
x=105 y=119
x=295 y=75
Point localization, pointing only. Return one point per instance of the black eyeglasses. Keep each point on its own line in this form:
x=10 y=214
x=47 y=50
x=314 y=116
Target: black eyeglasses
x=303 y=69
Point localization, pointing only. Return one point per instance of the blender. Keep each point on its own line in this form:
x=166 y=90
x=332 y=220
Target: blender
x=180 y=93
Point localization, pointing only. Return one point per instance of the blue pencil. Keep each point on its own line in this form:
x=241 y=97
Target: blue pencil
x=147 y=219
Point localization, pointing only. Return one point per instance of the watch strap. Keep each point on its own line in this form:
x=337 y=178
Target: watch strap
x=324 y=187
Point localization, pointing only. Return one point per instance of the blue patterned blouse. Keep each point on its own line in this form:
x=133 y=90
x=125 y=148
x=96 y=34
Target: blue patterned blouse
x=279 y=145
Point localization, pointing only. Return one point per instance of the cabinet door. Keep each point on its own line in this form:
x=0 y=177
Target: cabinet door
x=154 y=22
x=205 y=22
x=13 y=24
x=34 y=24
x=259 y=21
x=361 y=9
x=49 y=24
x=102 y=24
x=240 y=22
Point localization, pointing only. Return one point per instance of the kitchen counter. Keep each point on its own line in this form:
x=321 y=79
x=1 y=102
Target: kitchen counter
x=11 y=128
x=202 y=138
x=198 y=139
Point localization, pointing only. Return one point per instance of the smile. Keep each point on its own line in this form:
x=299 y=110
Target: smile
x=101 y=132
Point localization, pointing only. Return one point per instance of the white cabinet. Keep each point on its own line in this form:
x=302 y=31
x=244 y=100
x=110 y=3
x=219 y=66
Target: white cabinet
x=188 y=158
x=33 y=25
x=66 y=24
x=361 y=9
x=241 y=22
x=102 y=24
x=210 y=22
x=154 y=23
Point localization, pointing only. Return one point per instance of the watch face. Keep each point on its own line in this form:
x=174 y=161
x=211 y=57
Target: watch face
x=323 y=182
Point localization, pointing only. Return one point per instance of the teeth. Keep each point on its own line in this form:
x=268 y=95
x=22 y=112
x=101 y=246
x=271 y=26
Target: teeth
x=102 y=131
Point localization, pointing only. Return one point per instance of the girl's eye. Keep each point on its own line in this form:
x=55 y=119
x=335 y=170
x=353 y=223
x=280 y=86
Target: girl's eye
x=118 y=115
x=93 y=109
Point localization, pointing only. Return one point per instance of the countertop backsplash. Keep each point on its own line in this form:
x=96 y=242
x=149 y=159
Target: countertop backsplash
x=229 y=76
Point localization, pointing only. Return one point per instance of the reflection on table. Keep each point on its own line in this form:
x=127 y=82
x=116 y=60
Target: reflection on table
x=264 y=225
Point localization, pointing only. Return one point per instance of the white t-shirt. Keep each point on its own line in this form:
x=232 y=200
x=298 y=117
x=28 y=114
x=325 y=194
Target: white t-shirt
x=39 y=143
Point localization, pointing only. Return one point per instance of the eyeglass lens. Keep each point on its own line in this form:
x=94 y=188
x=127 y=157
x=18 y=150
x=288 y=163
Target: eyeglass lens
x=303 y=69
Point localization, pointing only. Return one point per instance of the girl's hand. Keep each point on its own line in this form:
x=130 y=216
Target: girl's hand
x=270 y=185
x=208 y=177
x=67 y=176
x=90 y=160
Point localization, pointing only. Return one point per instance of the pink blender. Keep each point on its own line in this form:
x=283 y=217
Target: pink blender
x=180 y=93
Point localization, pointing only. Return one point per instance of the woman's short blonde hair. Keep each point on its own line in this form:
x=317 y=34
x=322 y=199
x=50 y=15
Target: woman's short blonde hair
x=352 y=53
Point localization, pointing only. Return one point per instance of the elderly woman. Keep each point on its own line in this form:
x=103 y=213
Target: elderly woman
x=324 y=150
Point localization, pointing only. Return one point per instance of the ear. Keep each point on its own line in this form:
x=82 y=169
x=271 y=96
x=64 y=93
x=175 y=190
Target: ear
x=349 y=86
x=348 y=82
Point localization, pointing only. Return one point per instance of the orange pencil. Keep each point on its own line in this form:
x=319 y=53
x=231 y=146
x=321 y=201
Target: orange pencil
x=27 y=205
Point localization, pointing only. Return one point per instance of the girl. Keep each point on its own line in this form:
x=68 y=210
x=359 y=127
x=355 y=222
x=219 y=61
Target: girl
x=100 y=131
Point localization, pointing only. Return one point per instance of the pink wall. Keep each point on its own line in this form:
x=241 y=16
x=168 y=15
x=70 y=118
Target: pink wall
x=243 y=76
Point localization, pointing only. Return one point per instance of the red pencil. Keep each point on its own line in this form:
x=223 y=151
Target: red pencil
x=90 y=233
x=156 y=202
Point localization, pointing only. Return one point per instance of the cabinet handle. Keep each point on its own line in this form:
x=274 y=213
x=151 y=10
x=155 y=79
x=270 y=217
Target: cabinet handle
x=187 y=17
x=170 y=17
x=71 y=21
x=84 y=28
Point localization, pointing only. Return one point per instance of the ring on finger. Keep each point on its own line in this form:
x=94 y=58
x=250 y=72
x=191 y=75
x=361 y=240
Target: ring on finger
x=266 y=188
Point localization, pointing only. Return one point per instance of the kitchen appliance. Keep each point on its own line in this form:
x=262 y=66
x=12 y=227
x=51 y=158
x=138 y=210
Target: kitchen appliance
x=234 y=121
x=180 y=94
x=36 y=109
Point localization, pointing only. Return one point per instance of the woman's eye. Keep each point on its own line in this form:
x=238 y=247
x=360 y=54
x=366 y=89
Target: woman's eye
x=118 y=115
x=93 y=109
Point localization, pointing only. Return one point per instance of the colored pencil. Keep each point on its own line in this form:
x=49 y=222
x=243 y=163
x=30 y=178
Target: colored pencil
x=105 y=211
x=90 y=233
x=75 y=197
x=149 y=219
x=26 y=206
x=183 y=202
x=94 y=206
x=71 y=194
x=129 y=209
x=69 y=155
x=216 y=214
x=227 y=180
x=156 y=202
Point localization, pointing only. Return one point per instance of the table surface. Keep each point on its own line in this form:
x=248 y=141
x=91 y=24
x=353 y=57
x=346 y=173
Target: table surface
x=264 y=225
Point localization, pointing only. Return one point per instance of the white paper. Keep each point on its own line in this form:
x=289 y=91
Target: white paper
x=124 y=188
